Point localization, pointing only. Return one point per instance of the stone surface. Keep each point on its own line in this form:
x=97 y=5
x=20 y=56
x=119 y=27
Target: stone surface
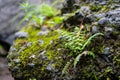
x=21 y=35
x=48 y=56
x=9 y=9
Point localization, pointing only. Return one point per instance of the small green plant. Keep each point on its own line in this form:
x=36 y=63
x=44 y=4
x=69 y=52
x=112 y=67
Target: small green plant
x=76 y=42
x=64 y=71
x=41 y=14
x=26 y=6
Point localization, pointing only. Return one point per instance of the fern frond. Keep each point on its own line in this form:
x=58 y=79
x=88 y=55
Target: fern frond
x=80 y=55
x=77 y=59
x=90 y=38
x=64 y=71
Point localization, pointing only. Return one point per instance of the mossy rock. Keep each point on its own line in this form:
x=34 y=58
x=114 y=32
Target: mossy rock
x=43 y=56
x=39 y=56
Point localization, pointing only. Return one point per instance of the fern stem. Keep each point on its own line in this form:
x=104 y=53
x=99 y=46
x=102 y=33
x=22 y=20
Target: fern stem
x=93 y=36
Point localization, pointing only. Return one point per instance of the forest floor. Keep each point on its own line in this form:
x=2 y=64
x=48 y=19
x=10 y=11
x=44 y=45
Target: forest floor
x=4 y=71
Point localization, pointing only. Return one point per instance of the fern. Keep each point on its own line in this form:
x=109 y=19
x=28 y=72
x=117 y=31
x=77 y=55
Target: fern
x=83 y=47
x=64 y=71
x=74 y=42
x=77 y=43
x=80 y=55
x=90 y=38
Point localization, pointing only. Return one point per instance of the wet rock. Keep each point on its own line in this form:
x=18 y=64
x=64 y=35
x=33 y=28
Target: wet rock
x=16 y=68
x=21 y=35
x=16 y=60
x=40 y=41
x=7 y=22
x=31 y=64
x=12 y=49
x=112 y=19
x=43 y=33
x=29 y=44
x=101 y=15
x=85 y=9
x=43 y=52
x=107 y=51
x=32 y=56
x=108 y=29
x=10 y=39
x=49 y=67
x=94 y=29
x=70 y=5
x=78 y=18
x=103 y=2
x=103 y=22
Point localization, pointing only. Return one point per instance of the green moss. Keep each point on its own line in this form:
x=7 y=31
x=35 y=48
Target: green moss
x=37 y=57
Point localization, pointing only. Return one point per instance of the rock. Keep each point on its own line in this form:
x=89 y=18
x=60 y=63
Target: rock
x=101 y=15
x=42 y=33
x=94 y=29
x=13 y=49
x=21 y=35
x=16 y=60
x=111 y=19
x=49 y=67
x=43 y=52
x=32 y=56
x=103 y=22
x=10 y=16
x=108 y=29
x=31 y=64
x=85 y=9
x=107 y=51
x=48 y=57
x=29 y=44
x=69 y=6
x=7 y=22
x=40 y=41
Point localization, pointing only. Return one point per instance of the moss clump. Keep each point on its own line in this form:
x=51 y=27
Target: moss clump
x=37 y=55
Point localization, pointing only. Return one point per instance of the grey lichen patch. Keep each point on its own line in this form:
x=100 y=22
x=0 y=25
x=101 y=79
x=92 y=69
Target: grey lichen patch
x=21 y=35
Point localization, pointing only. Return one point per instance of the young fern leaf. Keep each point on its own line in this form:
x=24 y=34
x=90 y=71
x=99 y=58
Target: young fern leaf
x=64 y=71
x=90 y=38
x=80 y=55
x=83 y=47
x=76 y=60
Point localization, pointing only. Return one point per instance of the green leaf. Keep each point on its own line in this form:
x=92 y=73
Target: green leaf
x=76 y=60
x=90 y=38
x=47 y=10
